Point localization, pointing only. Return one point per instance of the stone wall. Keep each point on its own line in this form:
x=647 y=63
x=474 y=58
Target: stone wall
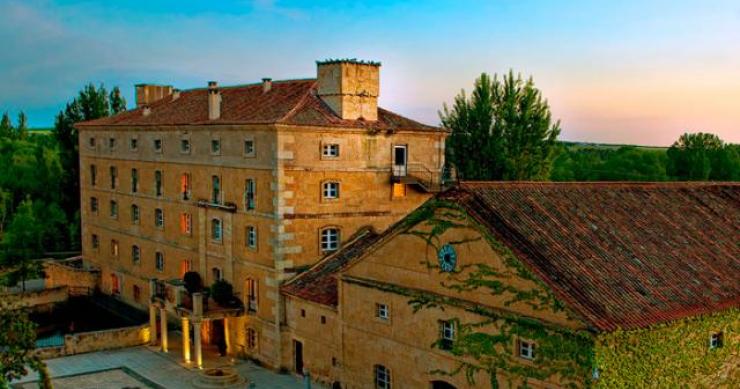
x=38 y=298
x=98 y=340
x=70 y=272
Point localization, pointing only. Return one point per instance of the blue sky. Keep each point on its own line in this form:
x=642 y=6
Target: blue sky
x=614 y=71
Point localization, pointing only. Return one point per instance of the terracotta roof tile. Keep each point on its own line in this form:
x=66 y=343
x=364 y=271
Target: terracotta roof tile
x=291 y=102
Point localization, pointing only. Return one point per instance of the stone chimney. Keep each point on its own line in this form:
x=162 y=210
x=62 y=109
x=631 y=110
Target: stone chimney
x=266 y=85
x=214 y=101
x=350 y=87
x=149 y=93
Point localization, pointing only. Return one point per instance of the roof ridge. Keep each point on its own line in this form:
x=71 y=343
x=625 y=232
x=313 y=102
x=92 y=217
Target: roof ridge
x=299 y=105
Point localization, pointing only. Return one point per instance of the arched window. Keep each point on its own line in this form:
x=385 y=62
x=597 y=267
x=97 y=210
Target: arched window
x=329 y=239
x=382 y=377
x=159 y=261
x=216 y=229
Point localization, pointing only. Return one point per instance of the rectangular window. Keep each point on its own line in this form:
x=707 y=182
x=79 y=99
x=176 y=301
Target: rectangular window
x=215 y=146
x=251 y=339
x=113 y=209
x=94 y=204
x=382 y=312
x=135 y=254
x=159 y=261
x=93 y=175
x=185 y=186
x=216 y=189
x=134 y=180
x=114 y=248
x=447 y=334
x=185 y=146
x=158 y=145
x=135 y=217
x=133 y=144
x=249 y=194
x=113 y=177
x=137 y=293
x=158 y=218
x=716 y=340
x=252 y=295
x=252 y=237
x=216 y=229
x=95 y=241
x=186 y=223
x=526 y=349
x=111 y=143
x=330 y=150
x=331 y=190
x=329 y=239
x=382 y=377
x=158 y=186
x=249 y=147
x=91 y=142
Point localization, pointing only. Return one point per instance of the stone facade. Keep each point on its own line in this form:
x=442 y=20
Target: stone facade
x=287 y=164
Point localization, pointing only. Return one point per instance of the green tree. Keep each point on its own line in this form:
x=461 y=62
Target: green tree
x=690 y=157
x=504 y=131
x=117 y=102
x=21 y=132
x=22 y=244
x=18 y=343
x=6 y=126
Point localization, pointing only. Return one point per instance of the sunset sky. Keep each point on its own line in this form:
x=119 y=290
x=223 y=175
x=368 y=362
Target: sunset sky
x=639 y=72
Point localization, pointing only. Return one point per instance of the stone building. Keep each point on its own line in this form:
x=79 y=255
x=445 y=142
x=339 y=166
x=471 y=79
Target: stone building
x=537 y=285
x=249 y=184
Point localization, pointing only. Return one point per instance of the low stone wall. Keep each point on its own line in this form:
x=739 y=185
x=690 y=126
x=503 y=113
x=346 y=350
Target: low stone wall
x=35 y=299
x=86 y=342
x=71 y=272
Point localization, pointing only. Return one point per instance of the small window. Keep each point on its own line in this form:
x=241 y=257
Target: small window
x=113 y=209
x=186 y=223
x=133 y=144
x=716 y=340
x=323 y=319
x=216 y=229
x=95 y=241
x=111 y=143
x=93 y=175
x=135 y=254
x=382 y=312
x=331 y=190
x=216 y=189
x=185 y=146
x=159 y=218
x=216 y=272
x=329 y=239
x=115 y=285
x=135 y=217
x=158 y=185
x=249 y=147
x=447 y=334
x=252 y=295
x=251 y=339
x=303 y=313
x=215 y=146
x=113 y=177
x=330 y=150
x=252 y=237
x=158 y=145
x=114 y=248
x=159 y=261
x=91 y=142
x=526 y=349
x=249 y=194
x=185 y=186
x=134 y=180
x=94 y=204
x=137 y=293
x=382 y=377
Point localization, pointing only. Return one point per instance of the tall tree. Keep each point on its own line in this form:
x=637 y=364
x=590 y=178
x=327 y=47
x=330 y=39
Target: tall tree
x=21 y=132
x=690 y=157
x=22 y=244
x=6 y=126
x=117 y=102
x=504 y=131
x=18 y=345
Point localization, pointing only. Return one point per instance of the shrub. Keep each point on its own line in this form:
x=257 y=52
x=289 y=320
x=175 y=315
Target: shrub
x=222 y=292
x=193 y=283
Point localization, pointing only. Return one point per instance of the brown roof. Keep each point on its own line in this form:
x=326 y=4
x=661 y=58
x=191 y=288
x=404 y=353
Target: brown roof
x=319 y=283
x=621 y=254
x=292 y=102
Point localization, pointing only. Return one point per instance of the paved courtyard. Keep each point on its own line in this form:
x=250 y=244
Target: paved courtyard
x=145 y=367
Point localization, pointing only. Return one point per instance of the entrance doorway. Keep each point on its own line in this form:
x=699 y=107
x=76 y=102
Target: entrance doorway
x=298 y=356
x=218 y=335
x=400 y=160
x=442 y=385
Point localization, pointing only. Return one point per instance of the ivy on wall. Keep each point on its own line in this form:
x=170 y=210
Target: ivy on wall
x=672 y=355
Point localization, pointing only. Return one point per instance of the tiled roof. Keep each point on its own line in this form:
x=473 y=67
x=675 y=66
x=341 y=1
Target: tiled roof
x=319 y=283
x=622 y=255
x=292 y=102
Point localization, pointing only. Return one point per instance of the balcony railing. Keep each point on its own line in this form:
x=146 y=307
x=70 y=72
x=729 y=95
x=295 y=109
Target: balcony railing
x=418 y=174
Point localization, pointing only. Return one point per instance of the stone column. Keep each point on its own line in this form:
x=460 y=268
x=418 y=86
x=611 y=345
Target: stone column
x=196 y=341
x=152 y=324
x=185 y=340
x=227 y=339
x=163 y=324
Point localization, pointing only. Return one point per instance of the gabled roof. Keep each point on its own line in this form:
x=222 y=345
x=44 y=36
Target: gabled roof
x=622 y=255
x=291 y=102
